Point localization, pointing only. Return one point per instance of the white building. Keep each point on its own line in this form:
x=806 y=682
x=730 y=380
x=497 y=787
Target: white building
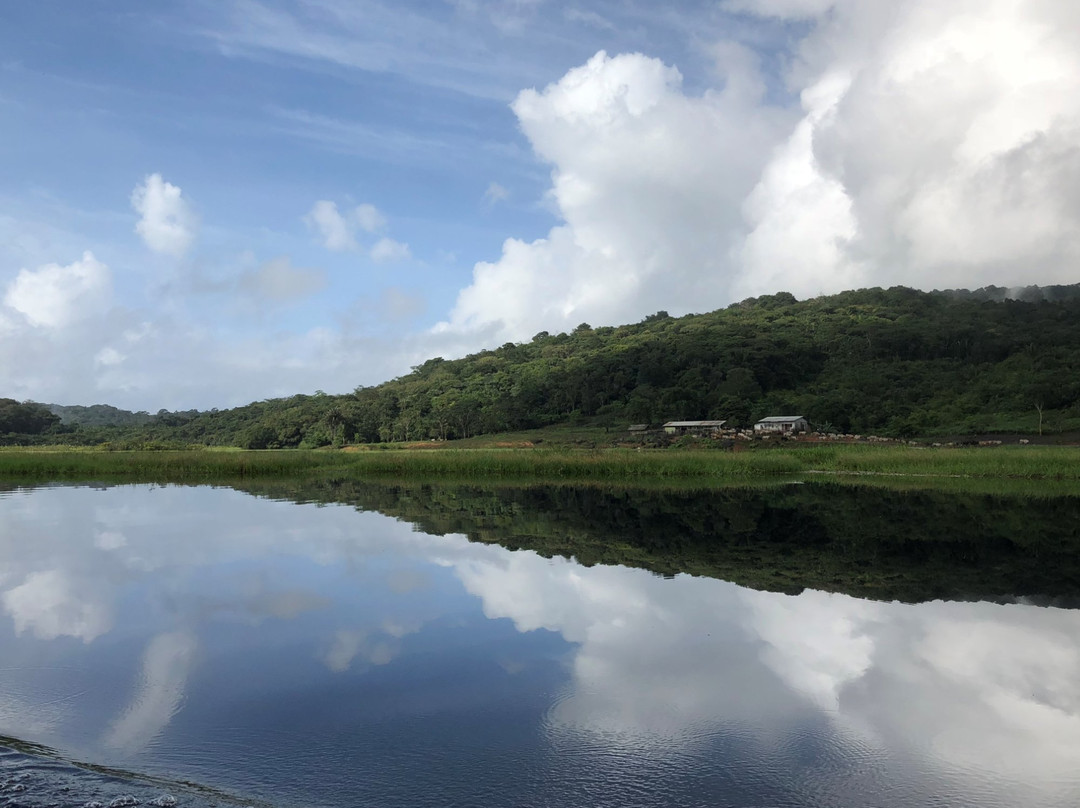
x=784 y=424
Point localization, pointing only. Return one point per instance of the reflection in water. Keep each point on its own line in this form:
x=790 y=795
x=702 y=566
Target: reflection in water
x=878 y=543
x=52 y=604
x=321 y=656
x=160 y=688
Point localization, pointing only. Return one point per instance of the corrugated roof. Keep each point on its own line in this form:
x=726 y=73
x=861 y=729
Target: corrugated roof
x=777 y=419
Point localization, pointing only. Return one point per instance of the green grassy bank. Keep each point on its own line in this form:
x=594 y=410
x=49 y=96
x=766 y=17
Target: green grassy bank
x=1028 y=462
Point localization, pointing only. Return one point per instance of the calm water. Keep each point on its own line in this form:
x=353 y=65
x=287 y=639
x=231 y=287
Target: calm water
x=221 y=648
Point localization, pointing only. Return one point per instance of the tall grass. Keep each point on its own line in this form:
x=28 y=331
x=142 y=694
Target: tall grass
x=1025 y=462
x=1045 y=463
x=477 y=463
x=171 y=465
x=571 y=464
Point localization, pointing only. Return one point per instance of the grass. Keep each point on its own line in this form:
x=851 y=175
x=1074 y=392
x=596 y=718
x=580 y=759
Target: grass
x=196 y=464
x=1019 y=462
x=1022 y=462
x=443 y=463
x=1002 y=462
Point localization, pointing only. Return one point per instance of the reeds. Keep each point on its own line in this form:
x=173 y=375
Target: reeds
x=1047 y=463
x=1020 y=462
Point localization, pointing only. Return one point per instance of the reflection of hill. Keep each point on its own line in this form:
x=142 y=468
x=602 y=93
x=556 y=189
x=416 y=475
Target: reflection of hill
x=889 y=545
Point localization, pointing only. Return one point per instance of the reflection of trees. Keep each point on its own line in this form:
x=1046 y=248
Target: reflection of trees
x=910 y=546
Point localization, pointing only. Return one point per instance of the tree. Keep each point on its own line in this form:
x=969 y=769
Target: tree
x=27 y=418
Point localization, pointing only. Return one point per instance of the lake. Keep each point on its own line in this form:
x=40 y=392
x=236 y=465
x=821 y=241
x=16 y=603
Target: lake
x=339 y=643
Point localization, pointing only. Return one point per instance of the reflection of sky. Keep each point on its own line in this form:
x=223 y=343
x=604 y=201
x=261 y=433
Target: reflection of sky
x=189 y=627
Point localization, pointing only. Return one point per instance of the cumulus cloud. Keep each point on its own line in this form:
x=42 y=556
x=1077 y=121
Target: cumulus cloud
x=166 y=224
x=337 y=230
x=63 y=334
x=54 y=296
x=386 y=249
x=930 y=144
x=907 y=141
x=648 y=181
x=369 y=219
x=938 y=147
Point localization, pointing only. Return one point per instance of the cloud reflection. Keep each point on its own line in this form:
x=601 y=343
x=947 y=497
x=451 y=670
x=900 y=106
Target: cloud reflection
x=981 y=696
x=166 y=664
x=54 y=603
x=971 y=690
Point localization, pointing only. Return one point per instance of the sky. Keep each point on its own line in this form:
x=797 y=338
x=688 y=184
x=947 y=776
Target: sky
x=208 y=203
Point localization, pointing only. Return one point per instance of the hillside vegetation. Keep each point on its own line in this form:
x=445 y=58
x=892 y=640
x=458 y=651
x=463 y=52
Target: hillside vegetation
x=895 y=362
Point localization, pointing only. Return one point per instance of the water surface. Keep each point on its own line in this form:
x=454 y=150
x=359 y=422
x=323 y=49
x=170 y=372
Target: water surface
x=313 y=654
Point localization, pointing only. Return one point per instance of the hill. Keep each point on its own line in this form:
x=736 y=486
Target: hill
x=99 y=415
x=894 y=361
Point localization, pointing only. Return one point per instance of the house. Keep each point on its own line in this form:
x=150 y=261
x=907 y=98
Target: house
x=636 y=428
x=693 y=427
x=784 y=424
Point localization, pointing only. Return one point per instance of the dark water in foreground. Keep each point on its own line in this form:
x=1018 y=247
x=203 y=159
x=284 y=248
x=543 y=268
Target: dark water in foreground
x=233 y=650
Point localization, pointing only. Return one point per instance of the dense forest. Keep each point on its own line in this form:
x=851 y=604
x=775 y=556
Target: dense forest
x=894 y=362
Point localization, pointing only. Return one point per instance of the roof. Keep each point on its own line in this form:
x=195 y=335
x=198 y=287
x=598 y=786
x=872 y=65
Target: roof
x=638 y=427
x=695 y=423
x=779 y=419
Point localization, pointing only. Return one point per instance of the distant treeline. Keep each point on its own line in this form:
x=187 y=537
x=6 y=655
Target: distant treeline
x=895 y=362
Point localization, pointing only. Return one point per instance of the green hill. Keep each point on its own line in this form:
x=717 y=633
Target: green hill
x=99 y=415
x=893 y=362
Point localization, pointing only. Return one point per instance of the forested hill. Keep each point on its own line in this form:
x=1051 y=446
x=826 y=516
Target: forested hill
x=100 y=415
x=893 y=362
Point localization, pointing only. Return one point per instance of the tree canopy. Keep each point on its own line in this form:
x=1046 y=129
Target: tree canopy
x=894 y=361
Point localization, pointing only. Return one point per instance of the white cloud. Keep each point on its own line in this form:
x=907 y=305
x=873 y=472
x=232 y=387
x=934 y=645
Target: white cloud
x=337 y=230
x=369 y=218
x=386 y=249
x=167 y=223
x=933 y=144
x=920 y=142
x=938 y=148
x=649 y=183
x=55 y=296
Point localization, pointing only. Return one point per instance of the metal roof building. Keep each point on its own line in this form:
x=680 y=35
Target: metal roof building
x=782 y=423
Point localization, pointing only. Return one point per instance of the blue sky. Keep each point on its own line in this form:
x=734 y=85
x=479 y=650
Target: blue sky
x=207 y=203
